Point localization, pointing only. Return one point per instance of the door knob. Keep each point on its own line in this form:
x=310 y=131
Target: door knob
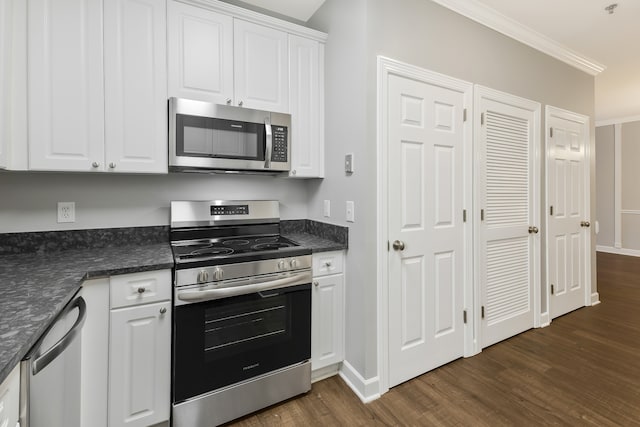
x=533 y=230
x=398 y=245
x=585 y=224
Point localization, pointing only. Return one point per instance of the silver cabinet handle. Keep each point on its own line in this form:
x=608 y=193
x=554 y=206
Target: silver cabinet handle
x=95 y=165
x=163 y=310
x=141 y=290
x=398 y=245
x=269 y=147
x=41 y=361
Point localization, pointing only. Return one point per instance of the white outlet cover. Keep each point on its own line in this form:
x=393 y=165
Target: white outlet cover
x=66 y=212
x=327 y=208
x=351 y=215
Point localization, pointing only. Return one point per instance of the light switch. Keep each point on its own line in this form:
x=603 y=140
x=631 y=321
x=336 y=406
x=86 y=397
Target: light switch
x=327 y=208
x=348 y=163
x=351 y=215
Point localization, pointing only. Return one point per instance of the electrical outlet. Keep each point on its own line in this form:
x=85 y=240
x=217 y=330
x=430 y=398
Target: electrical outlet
x=66 y=212
x=327 y=208
x=351 y=215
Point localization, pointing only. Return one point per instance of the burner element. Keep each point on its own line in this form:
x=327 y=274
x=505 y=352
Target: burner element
x=210 y=250
x=270 y=246
x=270 y=239
x=235 y=242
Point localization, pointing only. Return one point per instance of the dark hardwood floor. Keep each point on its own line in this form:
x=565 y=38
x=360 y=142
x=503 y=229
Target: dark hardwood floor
x=584 y=369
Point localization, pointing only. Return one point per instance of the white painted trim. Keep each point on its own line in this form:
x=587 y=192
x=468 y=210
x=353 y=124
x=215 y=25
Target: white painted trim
x=386 y=67
x=617 y=186
x=259 y=18
x=484 y=93
x=629 y=212
x=366 y=390
x=620 y=120
x=545 y=320
x=595 y=298
x=584 y=121
x=475 y=10
x=618 y=251
x=326 y=372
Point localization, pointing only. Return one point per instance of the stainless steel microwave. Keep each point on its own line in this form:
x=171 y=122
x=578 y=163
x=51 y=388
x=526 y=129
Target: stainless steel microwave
x=205 y=137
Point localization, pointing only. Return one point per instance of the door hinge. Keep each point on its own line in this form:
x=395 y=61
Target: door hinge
x=464 y=316
x=464 y=115
x=551 y=210
x=464 y=215
x=552 y=290
x=550 y=132
x=481 y=214
x=482 y=118
x=482 y=311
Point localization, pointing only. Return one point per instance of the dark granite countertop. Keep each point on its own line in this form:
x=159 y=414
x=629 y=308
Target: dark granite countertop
x=35 y=287
x=315 y=243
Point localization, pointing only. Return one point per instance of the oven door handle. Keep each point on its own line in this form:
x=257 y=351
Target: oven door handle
x=213 y=294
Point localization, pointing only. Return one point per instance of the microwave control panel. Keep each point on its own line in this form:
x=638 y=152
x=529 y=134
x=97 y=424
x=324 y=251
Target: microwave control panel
x=279 y=153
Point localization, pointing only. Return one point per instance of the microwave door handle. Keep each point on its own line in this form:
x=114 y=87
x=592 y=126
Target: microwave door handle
x=269 y=147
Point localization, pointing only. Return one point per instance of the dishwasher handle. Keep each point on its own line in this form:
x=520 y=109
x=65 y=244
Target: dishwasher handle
x=41 y=361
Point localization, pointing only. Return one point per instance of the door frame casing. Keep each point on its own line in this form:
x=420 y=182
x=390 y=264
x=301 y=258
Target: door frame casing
x=479 y=93
x=584 y=121
x=387 y=67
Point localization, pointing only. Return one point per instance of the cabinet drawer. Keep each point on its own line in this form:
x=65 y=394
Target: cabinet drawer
x=327 y=263
x=140 y=288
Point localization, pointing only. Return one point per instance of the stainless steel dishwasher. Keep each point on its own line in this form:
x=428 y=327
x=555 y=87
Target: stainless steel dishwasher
x=50 y=373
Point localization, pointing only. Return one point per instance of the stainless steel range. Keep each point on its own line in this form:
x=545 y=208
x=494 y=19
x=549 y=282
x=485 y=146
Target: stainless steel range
x=242 y=311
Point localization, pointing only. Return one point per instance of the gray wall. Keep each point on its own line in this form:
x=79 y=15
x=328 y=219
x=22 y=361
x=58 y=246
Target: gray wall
x=28 y=201
x=631 y=185
x=605 y=181
x=424 y=34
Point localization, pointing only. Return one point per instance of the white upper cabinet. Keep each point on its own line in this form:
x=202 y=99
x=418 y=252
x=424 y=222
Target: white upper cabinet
x=306 y=106
x=135 y=86
x=65 y=80
x=5 y=74
x=97 y=85
x=261 y=67
x=200 y=54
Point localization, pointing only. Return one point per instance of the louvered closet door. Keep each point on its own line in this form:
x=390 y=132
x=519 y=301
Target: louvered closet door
x=508 y=260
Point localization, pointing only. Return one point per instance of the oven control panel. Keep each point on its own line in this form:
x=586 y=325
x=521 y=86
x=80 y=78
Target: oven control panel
x=230 y=210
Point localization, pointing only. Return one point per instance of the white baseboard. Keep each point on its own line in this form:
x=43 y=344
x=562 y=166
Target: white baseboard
x=324 y=373
x=545 y=320
x=618 y=251
x=595 y=298
x=366 y=390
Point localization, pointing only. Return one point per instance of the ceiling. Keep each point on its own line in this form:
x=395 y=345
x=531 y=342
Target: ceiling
x=579 y=32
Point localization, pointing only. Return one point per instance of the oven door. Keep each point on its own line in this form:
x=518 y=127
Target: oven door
x=224 y=341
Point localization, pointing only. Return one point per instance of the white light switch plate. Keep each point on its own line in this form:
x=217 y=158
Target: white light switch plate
x=348 y=163
x=351 y=215
x=327 y=208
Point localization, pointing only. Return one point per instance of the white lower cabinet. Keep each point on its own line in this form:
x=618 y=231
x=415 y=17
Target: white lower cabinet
x=327 y=314
x=10 y=399
x=126 y=350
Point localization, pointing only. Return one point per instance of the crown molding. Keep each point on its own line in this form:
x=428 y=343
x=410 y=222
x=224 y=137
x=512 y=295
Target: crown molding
x=617 y=120
x=493 y=19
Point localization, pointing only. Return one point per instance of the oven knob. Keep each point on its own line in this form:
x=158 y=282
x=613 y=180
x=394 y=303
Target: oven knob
x=203 y=276
x=294 y=263
x=218 y=274
x=282 y=265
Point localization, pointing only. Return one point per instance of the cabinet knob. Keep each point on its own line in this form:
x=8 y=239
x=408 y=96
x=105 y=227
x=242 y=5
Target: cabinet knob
x=112 y=165
x=141 y=290
x=228 y=101
x=163 y=310
x=293 y=172
x=316 y=284
x=327 y=264
x=95 y=164
x=240 y=104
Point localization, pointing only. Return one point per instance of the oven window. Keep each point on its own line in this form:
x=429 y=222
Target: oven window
x=244 y=326
x=222 y=342
x=207 y=137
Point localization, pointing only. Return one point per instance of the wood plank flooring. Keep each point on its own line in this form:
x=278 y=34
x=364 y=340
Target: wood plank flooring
x=584 y=369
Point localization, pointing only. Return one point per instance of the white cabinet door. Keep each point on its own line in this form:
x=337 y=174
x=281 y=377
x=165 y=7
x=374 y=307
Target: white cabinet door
x=200 y=54
x=327 y=319
x=65 y=85
x=139 y=365
x=135 y=86
x=5 y=78
x=305 y=96
x=10 y=398
x=260 y=67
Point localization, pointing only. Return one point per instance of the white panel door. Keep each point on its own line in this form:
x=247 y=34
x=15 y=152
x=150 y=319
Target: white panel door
x=425 y=211
x=200 y=54
x=568 y=233
x=307 y=155
x=6 y=29
x=135 y=86
x=327 y=319
x=261 y=67
x=508 y=258
x=65 y=85
x=139 y=365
